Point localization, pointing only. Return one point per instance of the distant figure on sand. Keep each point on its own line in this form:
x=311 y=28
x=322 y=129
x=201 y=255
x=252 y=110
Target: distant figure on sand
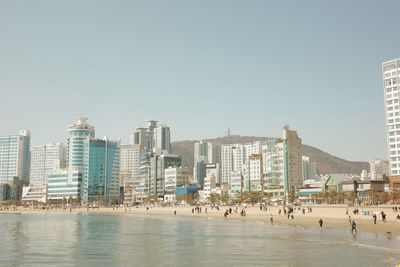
x=175 y=212
x=271 y=219
x=354 y=227
x=374 y=217
x=320 y=223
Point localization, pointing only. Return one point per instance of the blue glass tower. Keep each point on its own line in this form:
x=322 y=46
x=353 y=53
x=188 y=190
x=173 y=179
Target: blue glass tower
x=100 y=177
x=78 y=133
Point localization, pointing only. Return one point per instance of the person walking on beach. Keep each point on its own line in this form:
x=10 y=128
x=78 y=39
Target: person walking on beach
x=320 y=222
x=354 y=227
x=271 y=219
x=374 y=217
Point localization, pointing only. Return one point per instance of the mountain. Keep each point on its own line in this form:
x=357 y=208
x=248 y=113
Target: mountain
x=326 y=163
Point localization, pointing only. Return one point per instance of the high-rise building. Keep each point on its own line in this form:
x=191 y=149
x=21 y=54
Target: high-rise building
x=391 y=75
x=164 y=162
x=200 y=173
x=213 y=153
x=238 y=157
x=254 y=173
x=379 y=169
x=139 y=137
x=151 y=125
x=273 y=165
x=100 y=175
x=200 y=152
x=15 y=157
x=292 y=160
x=226 y=163
x=309 y=168
x=162 y=140
x=129 y=164
x=78 y=133
x=44 y=160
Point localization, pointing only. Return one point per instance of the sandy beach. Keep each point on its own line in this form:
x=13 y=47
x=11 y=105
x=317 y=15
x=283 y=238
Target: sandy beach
x=334 y=217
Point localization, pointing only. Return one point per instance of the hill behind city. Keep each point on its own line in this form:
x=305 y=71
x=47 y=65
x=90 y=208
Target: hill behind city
x=326 y=163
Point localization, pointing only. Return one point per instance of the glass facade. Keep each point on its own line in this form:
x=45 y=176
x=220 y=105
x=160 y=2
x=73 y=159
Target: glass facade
x=64 y=184
x=78 y=133
x=100 y=170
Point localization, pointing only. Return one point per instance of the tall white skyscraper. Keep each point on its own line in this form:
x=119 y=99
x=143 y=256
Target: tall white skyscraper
x=390 y=74
x=226 y=163
x=130 y=163
x=238 y=157
x=15 y=157
x=44 y=160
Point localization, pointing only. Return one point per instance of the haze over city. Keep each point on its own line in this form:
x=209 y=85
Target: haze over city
x=201 y=68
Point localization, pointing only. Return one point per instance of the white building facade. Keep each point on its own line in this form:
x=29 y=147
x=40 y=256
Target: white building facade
x=44 y=160
x=390 y=75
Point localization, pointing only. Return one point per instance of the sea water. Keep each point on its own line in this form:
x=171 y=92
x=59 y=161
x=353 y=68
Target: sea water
x=141 y=240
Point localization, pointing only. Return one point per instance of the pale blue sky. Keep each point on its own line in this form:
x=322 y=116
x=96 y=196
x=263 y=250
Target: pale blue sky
x=201 y=67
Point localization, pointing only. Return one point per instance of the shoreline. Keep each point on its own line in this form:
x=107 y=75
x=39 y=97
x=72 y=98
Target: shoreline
x=333 y=217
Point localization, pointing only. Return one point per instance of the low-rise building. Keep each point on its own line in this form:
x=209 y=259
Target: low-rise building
x=64 y=184
x=34 y=194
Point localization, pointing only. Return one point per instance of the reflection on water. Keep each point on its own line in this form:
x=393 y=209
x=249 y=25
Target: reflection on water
x=132 y=240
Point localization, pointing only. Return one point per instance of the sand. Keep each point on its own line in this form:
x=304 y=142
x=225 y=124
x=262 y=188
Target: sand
x=334 y=217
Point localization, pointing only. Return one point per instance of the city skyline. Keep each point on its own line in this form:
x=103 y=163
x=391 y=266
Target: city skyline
x=201 y=69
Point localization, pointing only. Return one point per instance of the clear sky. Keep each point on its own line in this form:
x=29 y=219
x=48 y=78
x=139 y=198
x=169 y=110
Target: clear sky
x=200 y=67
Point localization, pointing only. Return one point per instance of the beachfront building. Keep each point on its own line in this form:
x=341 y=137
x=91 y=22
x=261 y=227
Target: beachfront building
x=210 y=186
x=236 y=186
x=379 y=169
x=390 y=75
x=64 y=184
x=100 y=173
x=44 y=160
x=164 y=162
x=152 y=174
x=309 y=168
x=254 y=176
x=226 y=163
x=283 y=172
x=34 y=194
x=273 y=166
x=15 y=157
x=78 y=134
x=174 y=177
x=129 y=163
x=293 y=173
